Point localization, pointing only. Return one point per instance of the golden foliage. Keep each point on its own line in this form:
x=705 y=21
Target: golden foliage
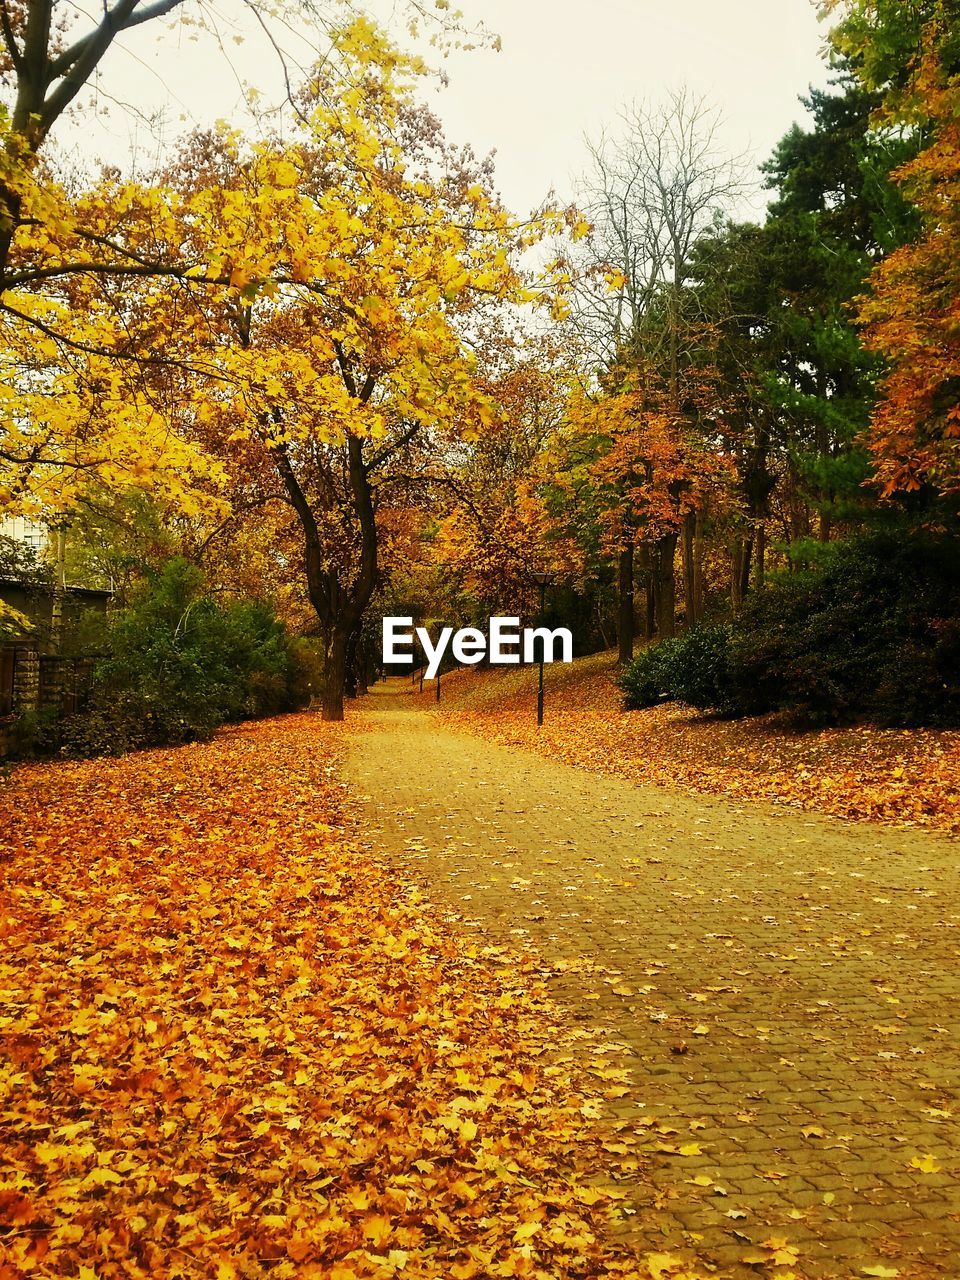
x=309 y=287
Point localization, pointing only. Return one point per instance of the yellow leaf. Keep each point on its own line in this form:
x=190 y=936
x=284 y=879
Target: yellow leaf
x=526 y=1231
x=377 y=1228
x=785 y=1257
x=662 y=1264
x=285 y=174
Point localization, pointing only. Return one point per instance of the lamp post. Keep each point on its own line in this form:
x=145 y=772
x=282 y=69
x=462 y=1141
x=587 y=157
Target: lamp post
x=542 y=577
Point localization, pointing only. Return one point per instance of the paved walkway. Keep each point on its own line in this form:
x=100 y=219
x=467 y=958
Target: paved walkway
x=789 y=988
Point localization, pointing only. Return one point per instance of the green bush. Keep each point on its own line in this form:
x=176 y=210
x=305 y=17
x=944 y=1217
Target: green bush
x=692 y=668
x=700 y=668
x=34 y=733
x=180 y=665
x=646 y=681
x=870 y=631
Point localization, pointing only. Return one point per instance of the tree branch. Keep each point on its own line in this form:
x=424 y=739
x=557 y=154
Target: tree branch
x=109 y=353
x=8 y=38
x=76 y=64
x=380 y=458
x=319 y=594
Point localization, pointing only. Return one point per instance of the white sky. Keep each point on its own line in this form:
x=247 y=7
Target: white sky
x=565 y=70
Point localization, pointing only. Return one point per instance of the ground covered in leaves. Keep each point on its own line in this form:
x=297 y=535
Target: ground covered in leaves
x=231 y=1047
x=903 y=776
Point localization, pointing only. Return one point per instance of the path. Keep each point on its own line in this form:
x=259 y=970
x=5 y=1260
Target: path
x=788 y=985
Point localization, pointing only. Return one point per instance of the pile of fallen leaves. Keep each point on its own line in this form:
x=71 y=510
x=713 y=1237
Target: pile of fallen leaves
x=231 y=1047
x=902 y=776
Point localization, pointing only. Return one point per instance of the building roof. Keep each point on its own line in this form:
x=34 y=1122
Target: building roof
x=46 y=588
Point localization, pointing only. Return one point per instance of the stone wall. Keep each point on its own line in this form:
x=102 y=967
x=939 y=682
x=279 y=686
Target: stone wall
x=24 y=689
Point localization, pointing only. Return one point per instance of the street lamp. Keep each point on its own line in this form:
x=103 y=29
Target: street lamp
x=543 y=577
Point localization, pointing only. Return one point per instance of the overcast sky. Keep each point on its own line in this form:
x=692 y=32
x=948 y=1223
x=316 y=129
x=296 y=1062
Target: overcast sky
x=565 y=69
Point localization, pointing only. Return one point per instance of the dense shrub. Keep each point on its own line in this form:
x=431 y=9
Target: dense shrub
x=180 y=664
x=699 y=669
x=693 y=668
x=871 y=632
x=647 y=679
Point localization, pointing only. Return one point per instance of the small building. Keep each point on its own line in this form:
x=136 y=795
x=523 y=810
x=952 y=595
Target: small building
x=27 y=533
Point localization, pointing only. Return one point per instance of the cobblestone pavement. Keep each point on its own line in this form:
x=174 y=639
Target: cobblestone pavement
x=787 y=986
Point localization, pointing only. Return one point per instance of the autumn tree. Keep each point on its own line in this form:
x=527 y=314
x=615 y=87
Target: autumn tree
x=72 y=412
x=496 y=532
x=77 y=405
x=646 y=466
x=324 y=336
x=911 y=57
x=884 y=40
x=48 y=58
x=779 y=296
x=47 y=61
x=653 y=191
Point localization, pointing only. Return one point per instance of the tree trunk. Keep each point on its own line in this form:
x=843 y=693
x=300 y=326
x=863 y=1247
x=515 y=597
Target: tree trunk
x=340 y=608
x=335 y=674
x=650 y=613
x=759 y=565
x=698 y=544
x=600 y=613
x=740 y=575
x=350 y=667
x=649 y=609
x=689 y=584
x=736 y=559
x=625 y=626
x=361 y=671
x=667 y=592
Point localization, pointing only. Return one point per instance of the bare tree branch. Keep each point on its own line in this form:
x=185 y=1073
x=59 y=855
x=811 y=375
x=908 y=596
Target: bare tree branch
x=652 y=191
